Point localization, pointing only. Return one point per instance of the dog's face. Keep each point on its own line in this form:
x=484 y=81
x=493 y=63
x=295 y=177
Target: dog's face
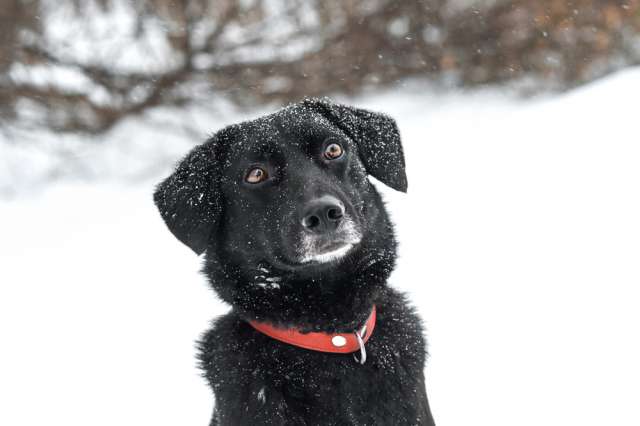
x=294 y=193
x=288 y=191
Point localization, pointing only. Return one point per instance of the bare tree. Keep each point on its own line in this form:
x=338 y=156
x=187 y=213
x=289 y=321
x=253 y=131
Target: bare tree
x=179 y=51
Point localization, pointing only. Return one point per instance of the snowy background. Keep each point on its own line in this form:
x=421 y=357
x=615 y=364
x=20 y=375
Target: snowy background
x=519 y=244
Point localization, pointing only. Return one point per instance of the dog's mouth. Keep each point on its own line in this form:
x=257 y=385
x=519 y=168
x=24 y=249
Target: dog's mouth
x=323 y=250
x=327 y=255
x=330 y=253
x=330 y=247
x=300 y=250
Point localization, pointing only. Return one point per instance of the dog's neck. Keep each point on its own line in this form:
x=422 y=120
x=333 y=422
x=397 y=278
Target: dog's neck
x=339 y=301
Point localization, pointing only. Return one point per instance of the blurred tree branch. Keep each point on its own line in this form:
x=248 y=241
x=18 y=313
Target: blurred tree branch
x=250 y=52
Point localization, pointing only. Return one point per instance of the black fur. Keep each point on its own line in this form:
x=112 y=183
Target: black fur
x=250 y=234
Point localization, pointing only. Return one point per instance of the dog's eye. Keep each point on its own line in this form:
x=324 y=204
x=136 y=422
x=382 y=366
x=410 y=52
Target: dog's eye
x=256 y=175
x=333 y=151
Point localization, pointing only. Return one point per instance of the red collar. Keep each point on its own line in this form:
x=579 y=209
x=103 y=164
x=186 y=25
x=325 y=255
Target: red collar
x=341 y=343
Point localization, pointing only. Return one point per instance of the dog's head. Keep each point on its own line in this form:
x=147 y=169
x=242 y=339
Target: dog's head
x=286 y=198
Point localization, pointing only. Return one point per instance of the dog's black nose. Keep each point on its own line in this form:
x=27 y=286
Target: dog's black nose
x=322 y=214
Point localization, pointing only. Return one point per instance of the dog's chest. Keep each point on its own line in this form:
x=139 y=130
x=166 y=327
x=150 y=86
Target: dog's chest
x=325 y=388
x=340 y=391
x=258 y=380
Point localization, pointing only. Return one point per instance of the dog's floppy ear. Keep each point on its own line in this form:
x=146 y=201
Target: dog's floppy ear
x=189 y=200
x=376 y=135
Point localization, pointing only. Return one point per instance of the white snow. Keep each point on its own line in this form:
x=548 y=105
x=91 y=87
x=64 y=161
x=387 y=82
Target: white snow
x=261 y=395
x=519 y=243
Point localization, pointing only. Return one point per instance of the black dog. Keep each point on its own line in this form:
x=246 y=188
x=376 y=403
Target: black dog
x=297 y=238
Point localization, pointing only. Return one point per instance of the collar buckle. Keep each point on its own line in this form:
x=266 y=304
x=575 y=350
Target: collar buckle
x=363 y=351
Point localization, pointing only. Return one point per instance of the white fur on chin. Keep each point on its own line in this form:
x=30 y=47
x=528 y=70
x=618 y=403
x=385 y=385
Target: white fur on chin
x=328 y=256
